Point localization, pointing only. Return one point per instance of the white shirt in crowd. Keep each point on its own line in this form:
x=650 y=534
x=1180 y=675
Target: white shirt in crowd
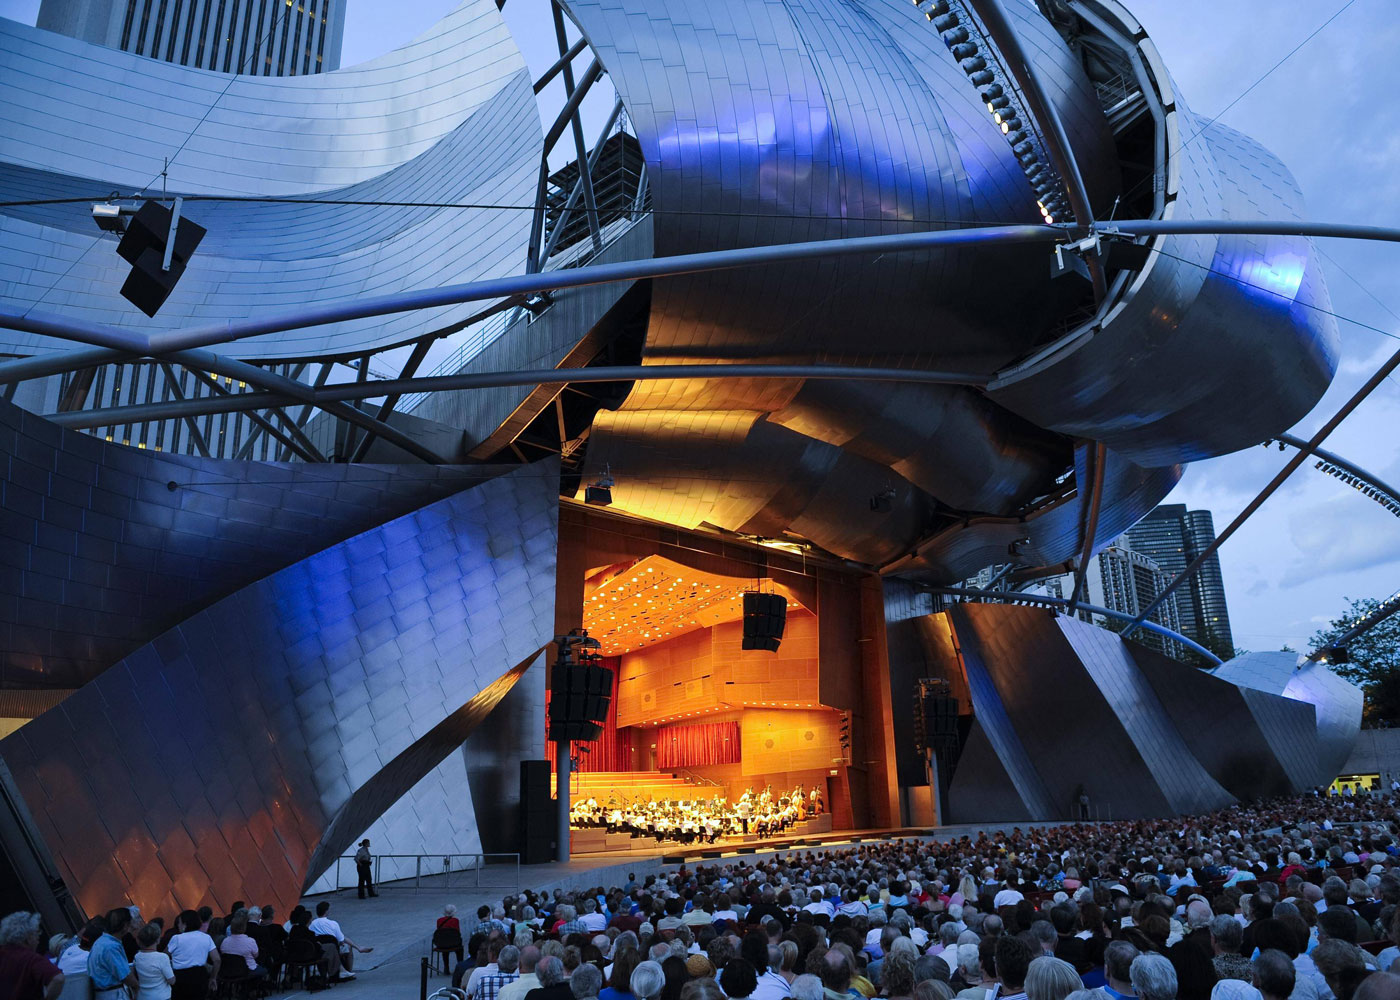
x=327 y=926
x=190 y=949
x=594 y=921
x=154 y=974
x=474 y=980
x=771 y=986
x=73 y=961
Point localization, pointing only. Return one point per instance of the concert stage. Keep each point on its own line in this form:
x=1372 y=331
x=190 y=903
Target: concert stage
x=697 y=722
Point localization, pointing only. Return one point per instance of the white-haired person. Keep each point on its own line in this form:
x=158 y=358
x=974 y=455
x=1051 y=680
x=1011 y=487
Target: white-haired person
x=23 y=971
x=648 y=980
x=1153 y=977
x=1050 y=978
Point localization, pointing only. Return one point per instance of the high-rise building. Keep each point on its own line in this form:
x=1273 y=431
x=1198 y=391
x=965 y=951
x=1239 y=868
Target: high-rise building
x=1173 y=537
x=1121 y=579
x=254 y=37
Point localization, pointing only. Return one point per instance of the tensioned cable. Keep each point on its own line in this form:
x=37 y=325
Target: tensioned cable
x=1136 y=188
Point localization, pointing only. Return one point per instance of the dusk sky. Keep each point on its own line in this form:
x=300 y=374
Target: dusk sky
x=1329 y=113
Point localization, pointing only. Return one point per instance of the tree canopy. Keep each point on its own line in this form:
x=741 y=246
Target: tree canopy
x=1374 y=659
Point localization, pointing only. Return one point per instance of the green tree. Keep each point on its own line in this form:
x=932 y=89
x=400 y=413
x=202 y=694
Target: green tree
x=1373 y=659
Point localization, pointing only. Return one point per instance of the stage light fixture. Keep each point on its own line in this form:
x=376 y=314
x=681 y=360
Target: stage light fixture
x=599 y=493
x=109 y=218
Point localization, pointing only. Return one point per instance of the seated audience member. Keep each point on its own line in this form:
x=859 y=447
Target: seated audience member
x=1153 y=977
x=738 y=979
x=507 y=971
x=586 y=981
x=648 y=980
x=1118 y=960
x=1226 y=936
x=304 y=944
x=239 y=945
x=1342 y=965
x=326 y=928
x=1012 y=957
x=24 y=973
x=1050 y=978
x=554 y=983
x=154 y=974
x=1274 y=976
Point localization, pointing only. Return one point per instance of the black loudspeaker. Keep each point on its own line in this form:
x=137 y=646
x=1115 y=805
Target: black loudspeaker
x=765 y=617
x=941 y=719
x=579 y=698
x=537 y=813
x=143 y=247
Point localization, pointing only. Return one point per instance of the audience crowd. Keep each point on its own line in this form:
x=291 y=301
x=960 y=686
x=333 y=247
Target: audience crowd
x=705 y=820
x=1291 y=899
x=119 y=955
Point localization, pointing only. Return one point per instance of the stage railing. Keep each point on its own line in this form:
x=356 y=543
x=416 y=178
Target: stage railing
x=415 y=872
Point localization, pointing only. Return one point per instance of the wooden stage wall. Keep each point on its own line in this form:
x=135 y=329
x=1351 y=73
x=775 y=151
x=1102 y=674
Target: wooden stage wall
x=837 y=659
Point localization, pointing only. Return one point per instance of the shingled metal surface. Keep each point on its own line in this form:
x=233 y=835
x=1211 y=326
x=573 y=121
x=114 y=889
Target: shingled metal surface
x=239 y=753
x=98 y=555
x=1058 y=704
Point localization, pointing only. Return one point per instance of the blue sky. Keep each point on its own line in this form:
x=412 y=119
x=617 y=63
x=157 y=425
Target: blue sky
x=1329 y=113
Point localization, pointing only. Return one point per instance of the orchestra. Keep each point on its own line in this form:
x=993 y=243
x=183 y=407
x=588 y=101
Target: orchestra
x=702 y=819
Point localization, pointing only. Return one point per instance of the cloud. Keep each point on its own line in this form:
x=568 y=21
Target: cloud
x=1256 y=588
x=1330 y=538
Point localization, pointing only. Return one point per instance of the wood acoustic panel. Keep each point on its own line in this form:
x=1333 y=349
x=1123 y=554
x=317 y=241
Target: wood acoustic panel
x=786 y=740
x=705 y=672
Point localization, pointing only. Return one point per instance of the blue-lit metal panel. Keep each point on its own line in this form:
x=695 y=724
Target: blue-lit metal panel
x=1218 y=344
x=1338 y=702
x=238 y=754
x=448 y=118
x=98 y=554
x=1149 y=736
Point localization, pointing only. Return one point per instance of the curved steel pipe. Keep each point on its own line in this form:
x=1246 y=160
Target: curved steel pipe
x=339 y=394
x=52 y=325
x=1333 y=458
x=1304 y=451
x=1059 y=602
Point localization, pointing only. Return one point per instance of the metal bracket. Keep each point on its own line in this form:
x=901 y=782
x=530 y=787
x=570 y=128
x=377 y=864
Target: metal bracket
x=170 y=239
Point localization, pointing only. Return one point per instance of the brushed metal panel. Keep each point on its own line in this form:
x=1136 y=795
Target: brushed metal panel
x=1223 y=732
x=1338 y=702
x=98 y=555
x=449 y=118
x=295 y=711
x=1110 y=664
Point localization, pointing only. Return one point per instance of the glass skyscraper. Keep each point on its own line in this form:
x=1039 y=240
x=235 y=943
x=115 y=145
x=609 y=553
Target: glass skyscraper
x=253 y=37
x=1172 y=537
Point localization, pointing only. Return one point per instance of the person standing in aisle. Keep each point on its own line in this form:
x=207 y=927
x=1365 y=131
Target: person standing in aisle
x=363 y=863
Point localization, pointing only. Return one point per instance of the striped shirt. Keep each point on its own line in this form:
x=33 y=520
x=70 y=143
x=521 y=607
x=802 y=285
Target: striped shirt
x=490 y=985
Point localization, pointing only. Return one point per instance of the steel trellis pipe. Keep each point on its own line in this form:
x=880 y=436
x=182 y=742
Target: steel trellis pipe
x=1299 y=457
x=118 y=338
x=487 y=380
x=995 y=595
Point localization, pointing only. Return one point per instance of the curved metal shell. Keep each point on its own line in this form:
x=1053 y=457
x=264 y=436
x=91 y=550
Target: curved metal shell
x=1338 y=702
x=768 y=122
x=1221 y=342
x=448 y=118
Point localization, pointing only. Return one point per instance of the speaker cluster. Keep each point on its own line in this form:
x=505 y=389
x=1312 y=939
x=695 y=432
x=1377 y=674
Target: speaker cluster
x=578 y=702
x=765 y=617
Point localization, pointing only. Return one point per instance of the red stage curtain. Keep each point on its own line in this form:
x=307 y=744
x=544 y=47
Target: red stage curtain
x=613 y=750
x=696 y=745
